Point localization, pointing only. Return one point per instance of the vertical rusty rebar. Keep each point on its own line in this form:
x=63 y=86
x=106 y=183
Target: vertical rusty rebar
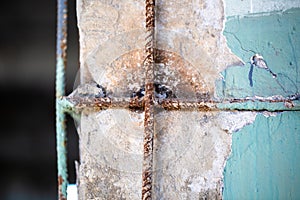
x=61 y=139
x=149 y=101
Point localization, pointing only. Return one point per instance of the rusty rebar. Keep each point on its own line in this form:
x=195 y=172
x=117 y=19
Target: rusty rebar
x=77 y=103
x=149 y=101
x=61 y=139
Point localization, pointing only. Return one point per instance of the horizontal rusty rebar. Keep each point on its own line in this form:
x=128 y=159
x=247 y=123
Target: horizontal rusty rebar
x=77 y=104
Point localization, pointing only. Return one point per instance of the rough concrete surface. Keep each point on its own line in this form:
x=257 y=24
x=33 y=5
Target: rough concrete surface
x=190 y=153
x=190 y=148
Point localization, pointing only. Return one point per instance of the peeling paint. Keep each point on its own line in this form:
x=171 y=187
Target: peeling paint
x=233 y=121
x=265 y=159
x=272 y=36
x=264 y=163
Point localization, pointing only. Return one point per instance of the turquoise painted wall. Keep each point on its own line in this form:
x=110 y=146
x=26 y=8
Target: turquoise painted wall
x=277 y=38
x=265 y=158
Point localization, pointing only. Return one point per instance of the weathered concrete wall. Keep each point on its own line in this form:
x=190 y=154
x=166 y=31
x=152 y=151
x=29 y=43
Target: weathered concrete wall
x=191 y=147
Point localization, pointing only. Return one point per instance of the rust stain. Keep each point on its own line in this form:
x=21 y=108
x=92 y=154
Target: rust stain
x=60 y=194
x=60 y=180
x=185 y=71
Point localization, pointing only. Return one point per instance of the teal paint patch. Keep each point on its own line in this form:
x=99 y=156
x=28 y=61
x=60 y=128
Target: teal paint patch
x=265 y=159
x=277 y=38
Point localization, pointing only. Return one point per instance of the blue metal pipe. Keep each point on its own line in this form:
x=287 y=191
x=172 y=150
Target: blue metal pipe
x=61 y=139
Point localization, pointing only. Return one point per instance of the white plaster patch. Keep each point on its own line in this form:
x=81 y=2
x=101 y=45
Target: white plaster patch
x=72 y=192
x=234 y=121
x=212 y=18
x=269 y=114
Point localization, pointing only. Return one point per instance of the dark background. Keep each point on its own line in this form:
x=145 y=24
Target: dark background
x=27 y=86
